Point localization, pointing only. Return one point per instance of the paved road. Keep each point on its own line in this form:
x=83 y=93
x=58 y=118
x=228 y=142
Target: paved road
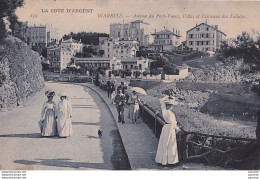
x=23 y=148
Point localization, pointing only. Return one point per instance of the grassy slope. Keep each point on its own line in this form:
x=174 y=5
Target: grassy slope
x=218 y=103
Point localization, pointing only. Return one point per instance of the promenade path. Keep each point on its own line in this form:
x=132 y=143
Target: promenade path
x=23 y=148
x=122 y=146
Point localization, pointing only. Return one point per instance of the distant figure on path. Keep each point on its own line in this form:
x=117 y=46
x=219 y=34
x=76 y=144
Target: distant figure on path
x=64 y=113
x=109 y=82
x=113 y=89
x=48 y=116
x=120 y=101
x=167 y=148
x=123 y=87
x=133 y=101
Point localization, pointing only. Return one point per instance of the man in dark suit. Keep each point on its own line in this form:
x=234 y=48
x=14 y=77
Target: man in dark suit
x=109 y=83
x=120 y=101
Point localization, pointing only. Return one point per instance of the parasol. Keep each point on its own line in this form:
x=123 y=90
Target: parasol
x=139 y=90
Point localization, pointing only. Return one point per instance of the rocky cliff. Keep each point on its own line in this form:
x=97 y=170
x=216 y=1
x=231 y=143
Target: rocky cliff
x=20 y=72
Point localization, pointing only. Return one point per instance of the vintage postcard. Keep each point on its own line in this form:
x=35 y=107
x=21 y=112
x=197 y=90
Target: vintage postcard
x=129 y=85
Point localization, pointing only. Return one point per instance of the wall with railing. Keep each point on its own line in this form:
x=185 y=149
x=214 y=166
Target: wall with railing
x=224 y=151
x=68 y=78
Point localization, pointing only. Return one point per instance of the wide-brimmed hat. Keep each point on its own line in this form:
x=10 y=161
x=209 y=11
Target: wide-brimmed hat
x=64 y=94
x=49 y=93
x=171 y=102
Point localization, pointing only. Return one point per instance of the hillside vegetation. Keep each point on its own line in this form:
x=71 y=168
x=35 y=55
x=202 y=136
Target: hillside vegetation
x=20 y=72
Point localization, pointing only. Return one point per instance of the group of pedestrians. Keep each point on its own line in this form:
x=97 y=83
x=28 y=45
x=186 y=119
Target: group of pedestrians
x=167 y=152
x=56 y=120
x=111 y=88
x=121 y=99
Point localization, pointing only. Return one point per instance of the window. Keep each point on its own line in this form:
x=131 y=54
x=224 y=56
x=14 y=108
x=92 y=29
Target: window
x=198 y=29
x=207 y=29
x=108 y=44
x=191 y=36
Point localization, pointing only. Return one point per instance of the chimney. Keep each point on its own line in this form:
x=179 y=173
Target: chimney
x=173 y=30
x=154 y=30
x=216 y=27
x=176 y=31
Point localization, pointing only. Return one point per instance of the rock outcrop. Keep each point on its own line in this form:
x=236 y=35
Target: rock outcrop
x=20 y=73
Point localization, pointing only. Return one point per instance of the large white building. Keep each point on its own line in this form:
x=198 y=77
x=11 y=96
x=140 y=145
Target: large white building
x=135 y=30
x=42 y=35
x=166 y=40
x=120 y=48
x=73 y=45
x=59 y=58
x=204 y=37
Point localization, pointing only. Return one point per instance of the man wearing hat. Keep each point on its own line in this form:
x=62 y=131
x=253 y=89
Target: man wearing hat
x=120 y=101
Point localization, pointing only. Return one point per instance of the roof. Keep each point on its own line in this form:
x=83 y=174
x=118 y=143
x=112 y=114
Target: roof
x=165 y=32
x=128 y=59
x=92 y=59
x=139 y=21
x=70 y=41
x=208 y=26
x=60 y=48
x=131 y=59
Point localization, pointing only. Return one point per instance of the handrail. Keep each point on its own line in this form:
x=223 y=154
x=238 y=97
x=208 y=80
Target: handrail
x=161 y=121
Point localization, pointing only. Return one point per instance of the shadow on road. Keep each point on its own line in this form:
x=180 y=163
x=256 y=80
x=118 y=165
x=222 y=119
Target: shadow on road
x=85 y=123
x=92 y=137
x=62 y=162
x=33 y=135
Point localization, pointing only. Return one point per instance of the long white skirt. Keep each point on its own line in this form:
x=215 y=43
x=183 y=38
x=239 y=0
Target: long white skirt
x=167 y=152
x=64 y=126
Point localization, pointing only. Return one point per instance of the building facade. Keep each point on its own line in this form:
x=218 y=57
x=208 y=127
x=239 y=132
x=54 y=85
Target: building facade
x=204 y=37
x=93 y=62
x=166 y=40
x=135 y=30
x=41 y=36
x=139 y=63
x=72 y=45
x=58 y=57
x=120 y=48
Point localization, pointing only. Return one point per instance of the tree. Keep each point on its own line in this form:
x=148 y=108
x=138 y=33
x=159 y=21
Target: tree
x=160 y=61
x=89 y=50
x=156 y=72
x=7 y=10
x=169 y=69
x=91 y=38
x=243 y=47
x=101 y=53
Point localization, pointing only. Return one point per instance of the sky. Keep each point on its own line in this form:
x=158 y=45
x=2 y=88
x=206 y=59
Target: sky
x=182 y=15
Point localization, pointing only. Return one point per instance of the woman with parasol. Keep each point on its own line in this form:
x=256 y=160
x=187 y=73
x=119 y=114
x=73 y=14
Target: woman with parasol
x=48 y=123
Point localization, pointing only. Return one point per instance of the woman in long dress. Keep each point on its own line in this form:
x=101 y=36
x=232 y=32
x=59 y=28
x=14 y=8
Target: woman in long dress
x=64 y=114
x=167 y=148
x=48 y=116
x=133 y=101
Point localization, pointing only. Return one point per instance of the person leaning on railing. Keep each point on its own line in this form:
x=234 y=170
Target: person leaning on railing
x=167 y=152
